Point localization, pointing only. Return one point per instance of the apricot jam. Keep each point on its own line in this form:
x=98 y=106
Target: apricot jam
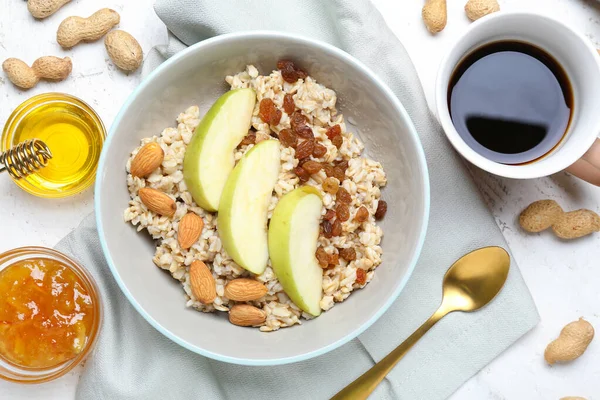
x=46 y=313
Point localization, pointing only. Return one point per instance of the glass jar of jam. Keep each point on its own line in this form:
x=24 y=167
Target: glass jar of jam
x=50 y=314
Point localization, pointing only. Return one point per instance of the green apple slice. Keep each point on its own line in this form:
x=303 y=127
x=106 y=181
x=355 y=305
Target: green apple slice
x=209 y=156
x=242 y=219
x=293 y=235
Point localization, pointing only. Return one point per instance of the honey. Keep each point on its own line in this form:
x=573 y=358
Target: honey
x=72 y=131
x=46 y=313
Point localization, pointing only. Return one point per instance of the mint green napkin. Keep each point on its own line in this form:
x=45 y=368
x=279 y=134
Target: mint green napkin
x=134 y=361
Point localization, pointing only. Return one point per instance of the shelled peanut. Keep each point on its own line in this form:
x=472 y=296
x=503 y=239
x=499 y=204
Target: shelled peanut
x=572 y=342
x=74 y=30
x=48 y=67
x=544 y=214
x=44 y=8
x=476 y=9
x=125 y=52
x=435 y=15
x=435 y=12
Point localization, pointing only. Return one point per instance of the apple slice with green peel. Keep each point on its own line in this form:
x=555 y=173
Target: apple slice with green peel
x=242 y=219
x=293 y=235
x=209 y=156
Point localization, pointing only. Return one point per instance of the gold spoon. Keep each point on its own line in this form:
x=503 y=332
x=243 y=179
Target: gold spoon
x=470 y=283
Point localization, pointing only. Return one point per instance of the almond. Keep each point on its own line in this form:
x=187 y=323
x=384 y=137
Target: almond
x=246 y=315
x=202 y=282
x=190 y=228
x=147 y=160
x=157 y=201
x=243 y=289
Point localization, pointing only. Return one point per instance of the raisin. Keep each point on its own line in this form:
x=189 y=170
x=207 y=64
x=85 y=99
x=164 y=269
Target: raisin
x=342 y=212
x=381 y=210
x=336 y=228
x=305 y=149
x=265 y=109
x=337 y=141
x=312 y=167
x=362 y=214
x=281 y=64
x=361 y=276
x=348 y=254
x=302 y=174
x=289 y=76
x=334 y=260
x=343 y=196
x=288 y=138
x=290 y=72
x=288 y=104
x=339 y=174
x=302 y=161
x=326 y=227
x=333 y=131
x=329 y=215
x=268 y=113
x=322 y=257
x=328 y=170
x=319 y=150
x=304 y=131
x=250 y=138
x=302 y=74
x=275 y=117
x=297 y=119
x=298 y=124
x=342 y=164
x=331 y=185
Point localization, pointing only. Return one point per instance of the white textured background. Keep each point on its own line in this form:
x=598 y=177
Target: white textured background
x=563 y=277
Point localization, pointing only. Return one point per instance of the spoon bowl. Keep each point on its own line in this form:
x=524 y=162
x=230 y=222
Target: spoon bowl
x=475 y=279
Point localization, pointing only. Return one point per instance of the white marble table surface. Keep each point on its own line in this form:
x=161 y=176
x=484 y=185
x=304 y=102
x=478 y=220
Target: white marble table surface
x=563 y=277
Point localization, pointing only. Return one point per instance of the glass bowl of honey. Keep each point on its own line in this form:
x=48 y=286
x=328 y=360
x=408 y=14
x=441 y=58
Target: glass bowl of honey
x=72 y=131
x=50 y=314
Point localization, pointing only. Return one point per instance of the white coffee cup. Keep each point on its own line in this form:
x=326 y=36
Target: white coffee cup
x=579 y=150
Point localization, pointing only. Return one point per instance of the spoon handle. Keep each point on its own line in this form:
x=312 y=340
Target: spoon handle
x=363 y=386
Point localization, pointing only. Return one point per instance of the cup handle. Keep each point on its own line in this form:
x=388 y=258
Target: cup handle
x=588 y=166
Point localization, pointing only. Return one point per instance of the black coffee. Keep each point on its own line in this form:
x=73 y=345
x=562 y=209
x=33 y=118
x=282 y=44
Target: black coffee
x=510 y=101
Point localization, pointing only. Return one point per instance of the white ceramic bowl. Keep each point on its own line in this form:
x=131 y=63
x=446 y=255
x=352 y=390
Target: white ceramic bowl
x=196 y=76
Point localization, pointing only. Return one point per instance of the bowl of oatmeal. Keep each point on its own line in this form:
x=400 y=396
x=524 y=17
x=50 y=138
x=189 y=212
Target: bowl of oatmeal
x=334 y=132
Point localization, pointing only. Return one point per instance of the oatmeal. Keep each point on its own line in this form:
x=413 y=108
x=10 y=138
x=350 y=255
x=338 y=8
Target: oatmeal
x=316 y=150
